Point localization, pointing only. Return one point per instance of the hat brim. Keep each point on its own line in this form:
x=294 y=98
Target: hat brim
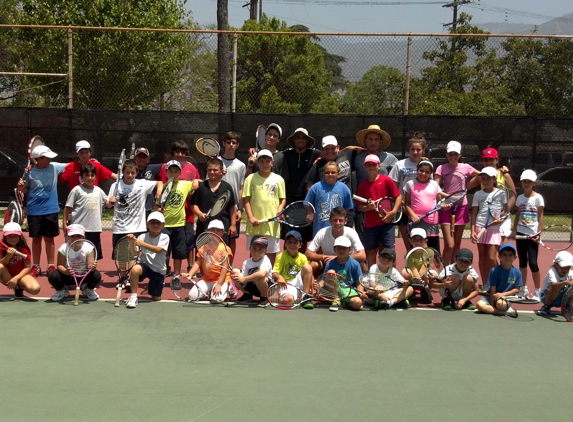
x=309 y=142
x=385 y=140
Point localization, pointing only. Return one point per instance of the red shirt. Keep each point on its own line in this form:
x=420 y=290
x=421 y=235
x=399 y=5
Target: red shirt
x=189 y=172
x=381 y=187
x=72 y=174
x=17 y=263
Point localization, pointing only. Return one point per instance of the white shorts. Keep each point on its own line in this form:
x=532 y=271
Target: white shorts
x=274 y=244
x=202 y=290
x=505 y=228
x=391 y=294
x=291 y=287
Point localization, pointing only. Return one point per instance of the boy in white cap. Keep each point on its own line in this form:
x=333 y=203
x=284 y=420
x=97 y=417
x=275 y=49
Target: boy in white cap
x=72 y=173
x=256 y=275
x=62 y=277
x=264 y=197
x=152 y=264
x=43 y=207
x=528 y=221
x=557 y=280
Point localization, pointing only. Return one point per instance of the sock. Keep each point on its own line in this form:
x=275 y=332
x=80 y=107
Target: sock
x=390 y=302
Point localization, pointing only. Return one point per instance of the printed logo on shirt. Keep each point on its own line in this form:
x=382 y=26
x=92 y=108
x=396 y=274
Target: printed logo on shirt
x=293 y=269
x=176 y=199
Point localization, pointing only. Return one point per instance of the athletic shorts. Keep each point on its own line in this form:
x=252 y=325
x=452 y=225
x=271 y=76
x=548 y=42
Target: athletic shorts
x=462 y=216
x=43 y=225
x=404 y=219
x=274 y=244
x=190 y=236
x=345 y=292
x=557 y=302
x=156 y=280
x=94 y=237
x=177 y=242
x=373 y=236
x=486 y=300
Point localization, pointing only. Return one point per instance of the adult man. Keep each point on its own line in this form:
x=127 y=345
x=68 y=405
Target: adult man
x=147 y=171
x=71 y=174
x=321 y=249
x=272 y=138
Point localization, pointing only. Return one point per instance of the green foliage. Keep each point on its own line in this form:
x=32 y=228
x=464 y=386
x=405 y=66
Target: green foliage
x=279 y=73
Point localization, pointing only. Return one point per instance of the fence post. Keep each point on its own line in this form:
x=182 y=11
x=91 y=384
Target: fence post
x=234 y=82
x=407 y=84
x=70 y=71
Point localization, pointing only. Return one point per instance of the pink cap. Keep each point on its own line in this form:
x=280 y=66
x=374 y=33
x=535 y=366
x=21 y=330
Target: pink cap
x=372 y=158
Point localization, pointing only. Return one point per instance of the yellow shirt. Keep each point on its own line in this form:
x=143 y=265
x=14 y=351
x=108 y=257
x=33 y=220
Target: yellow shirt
x=265 y=193
x=174 y=210
x=289 y=267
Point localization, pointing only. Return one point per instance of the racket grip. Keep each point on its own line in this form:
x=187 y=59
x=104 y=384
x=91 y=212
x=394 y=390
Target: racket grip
x=480 y=234
x=521 y=237
x=266 y=220
x=359 y=199
x=118 y=296
x=77 y=297
x=20 y=254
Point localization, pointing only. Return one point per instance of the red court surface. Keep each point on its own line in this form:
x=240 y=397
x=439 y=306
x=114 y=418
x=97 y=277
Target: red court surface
x=107 y=290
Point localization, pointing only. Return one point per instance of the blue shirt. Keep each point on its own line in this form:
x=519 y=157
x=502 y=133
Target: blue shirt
x=325 y=197
x=42 y=187
x=351 y=270
x=504 y=280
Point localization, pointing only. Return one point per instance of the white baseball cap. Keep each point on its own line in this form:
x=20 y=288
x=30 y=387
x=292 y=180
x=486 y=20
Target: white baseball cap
x=156 y=215
x=264 y=153
x=12 y=228
x=418 y=231
x=43 y=151
x=216 y=224
x=82 y=145
x=490 y=171
x=173 y=163
x=342 y=241
x=274 y=126
x=564 y=259
x=528 y=175
x=329 y=140
x=454 y=146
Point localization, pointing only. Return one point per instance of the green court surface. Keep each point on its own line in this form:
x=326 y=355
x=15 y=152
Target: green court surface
x=176 y=362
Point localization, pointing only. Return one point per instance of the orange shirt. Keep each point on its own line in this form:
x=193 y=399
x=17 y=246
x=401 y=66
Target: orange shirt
x=211 y=272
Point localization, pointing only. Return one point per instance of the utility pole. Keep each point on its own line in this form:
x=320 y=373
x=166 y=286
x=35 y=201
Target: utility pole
x=223 y=56
x=454 y=5
x=255 y=9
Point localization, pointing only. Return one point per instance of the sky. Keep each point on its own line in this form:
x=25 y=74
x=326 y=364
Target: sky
x=380 y=16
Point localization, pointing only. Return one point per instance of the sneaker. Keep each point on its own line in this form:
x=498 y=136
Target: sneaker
x=403 y=304
x=131 y=302
x=446 y=304
x=523 y=292
x=90 y=294
x=470 y=306
x=536 y=295
x=246 y=297
x=484 y=290
x=335 y=306
x=35 y=271
x=382 y=304
x=263 y=302
x=511 y=313
x=18 y=293
x=175 y=283
x=232 y=293
x=545 y=310
x=60 y=294
x=51 y=268
x=214 y=301
x=426 y=296
x=308 y=305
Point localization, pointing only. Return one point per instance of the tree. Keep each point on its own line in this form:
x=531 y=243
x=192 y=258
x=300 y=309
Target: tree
x=279 y=73
x=380 y=91
x=112 y=69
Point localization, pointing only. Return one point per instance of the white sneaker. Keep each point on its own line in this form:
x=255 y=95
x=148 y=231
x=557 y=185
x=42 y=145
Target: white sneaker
x=537 y=295
x=90 y=294
x=511 y=313
x=60 y=294
x=131 y=302
x=232 y=293
x=523 y=292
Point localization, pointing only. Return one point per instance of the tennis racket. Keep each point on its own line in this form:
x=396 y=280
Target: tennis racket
x=125 y=255
x=81 y=258
x=439 y=272
x=407 y=175
x=13 y=213
x=260 y=137
x=448 y=202
x=556 y=237
x=287 y=297
x=499 y=206
x=511 y=299
x=209 y=147
x=333 y=287
x=297 y=214
x=192 y=161
x=219 y=205
x=36 y=141
x=417 y=263
x=383 y=206
x=132 y=152
x=5 y=247
x=213 y=250
x=119 y=170
x=166 y=192
x=567 y=304
x=453 y=182
x=376 y=283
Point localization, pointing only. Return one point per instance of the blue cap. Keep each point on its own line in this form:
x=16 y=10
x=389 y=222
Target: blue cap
x=295 y=234
x=507 y=246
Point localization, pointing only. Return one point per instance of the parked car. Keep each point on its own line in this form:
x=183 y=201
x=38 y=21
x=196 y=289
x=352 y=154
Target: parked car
x=556 y=187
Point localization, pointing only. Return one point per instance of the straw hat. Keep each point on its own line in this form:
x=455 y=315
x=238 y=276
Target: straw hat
x=385 y=138
x=310 y=139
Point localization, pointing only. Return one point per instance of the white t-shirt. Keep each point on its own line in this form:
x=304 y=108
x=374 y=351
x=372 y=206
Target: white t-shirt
x=392 y=272
x=480 y=197
x=77 y=259
x=235 y=176
x=250 y=267
x=453 y=270
x=553 y=276
x=402 y=172
x=155 y=261
x=129 y=209
x=87 y=205
x=528 y=223
x=324 y=240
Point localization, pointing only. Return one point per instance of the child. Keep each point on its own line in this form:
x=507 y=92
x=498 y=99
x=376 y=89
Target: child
x=72 y=174
x=215 y=280
x=378 y=231
x=264 y=197
x=491 y=239
x=557 y=280
x=420 y=197
x=417 y=239
x=206 y=196
x=460 y=279
x=350 y=269
x=84 y=206
x=528 y=221
x=397 y=297
x=503 y=280
x=257 y=271
x=43 y=207
x=152 y=264
x=63 y=277
x=15 y=270
x=462 y=214
x=292 y=269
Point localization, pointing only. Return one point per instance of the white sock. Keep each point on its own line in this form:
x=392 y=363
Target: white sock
x=390 y=302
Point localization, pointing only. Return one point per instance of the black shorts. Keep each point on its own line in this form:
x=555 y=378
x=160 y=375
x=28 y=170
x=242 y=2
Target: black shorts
x=252 y=288
x=190 y=235
x=156 y=280
x=177 y=242
x=94 y=237
x=43 y=225
x=404 y=219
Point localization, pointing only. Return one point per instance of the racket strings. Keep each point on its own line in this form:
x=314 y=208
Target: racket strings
x=126 y=254
x=208 y=147
x=77 y=256
x=454 y=197
x=296 y=215
x=385 y=205
x=219 y=204
x=454 y=182
x=211 y=248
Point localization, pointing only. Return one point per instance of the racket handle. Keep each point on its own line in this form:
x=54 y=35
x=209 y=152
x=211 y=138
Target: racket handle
x=77 y=298
x=521 y=237
x=118 y=296
x=266 y=220
x=480 y=234
x=20 y=254
x=360 y=199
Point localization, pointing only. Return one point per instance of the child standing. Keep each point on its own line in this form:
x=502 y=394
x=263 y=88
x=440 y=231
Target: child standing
x=254 y=278
x=43 y=207
x=264 y=197
x=557 y=280
x=503 y=280
x=397 y=297
x=349 y=268
x=84 y=206
x=528 y=221
x=152 y=264
x=460 y=279
x=378 y=231
x=15 y=270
